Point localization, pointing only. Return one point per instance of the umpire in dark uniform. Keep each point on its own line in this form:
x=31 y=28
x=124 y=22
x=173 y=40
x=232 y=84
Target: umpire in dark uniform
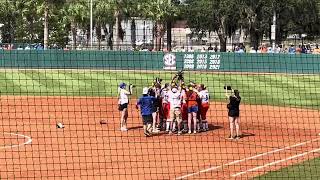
x=234 y=113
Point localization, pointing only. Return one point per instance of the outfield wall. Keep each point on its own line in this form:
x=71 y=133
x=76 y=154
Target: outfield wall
x=213 y=62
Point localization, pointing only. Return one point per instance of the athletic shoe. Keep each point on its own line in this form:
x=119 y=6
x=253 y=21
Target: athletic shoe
x=194 y=132
x=155 y=131
x=147 y=134
x=124 y=129
x=231 y=138
x=179 y=133
x=237 y=137
x=189 y=132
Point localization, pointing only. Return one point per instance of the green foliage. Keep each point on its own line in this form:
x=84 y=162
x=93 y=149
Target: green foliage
x=220 y=16
x=23 y=19
x=159 y=10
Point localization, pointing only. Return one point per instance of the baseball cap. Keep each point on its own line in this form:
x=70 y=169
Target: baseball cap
x=145 y=90
x=122 y=85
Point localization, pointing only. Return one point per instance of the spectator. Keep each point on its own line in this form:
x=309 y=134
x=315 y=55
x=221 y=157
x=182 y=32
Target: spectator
x=253 y=50
x=240 y=50
x=278 y=49
x=316 y=50
x=304 y=49
x=309 y=50
x=27 y=47
x=292 y=50
x=210 y=48
x=270 y=50
x=183 y=49
x=264 y=49
x=10 y=47
x=259 y=49
x=298 y=50
x=215 y=48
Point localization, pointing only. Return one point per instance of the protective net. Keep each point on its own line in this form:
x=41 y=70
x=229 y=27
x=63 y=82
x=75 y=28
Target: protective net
x=73 y=114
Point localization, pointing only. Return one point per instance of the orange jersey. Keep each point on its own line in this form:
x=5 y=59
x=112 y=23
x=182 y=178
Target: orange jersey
x=191 y=98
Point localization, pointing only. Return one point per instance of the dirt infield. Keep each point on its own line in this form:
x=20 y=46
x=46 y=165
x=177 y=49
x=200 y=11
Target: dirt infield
x=32 y=147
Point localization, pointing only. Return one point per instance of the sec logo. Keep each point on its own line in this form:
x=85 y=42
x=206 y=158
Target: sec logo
x=169 y=60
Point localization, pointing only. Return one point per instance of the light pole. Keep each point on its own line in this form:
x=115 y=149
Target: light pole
x=273 y=30
x=91 y=25
x=1 y=25
x=144 y=31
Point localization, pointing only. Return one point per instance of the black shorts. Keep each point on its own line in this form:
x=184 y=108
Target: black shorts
x=147 y=119
x=122 y=106
x=233 y=113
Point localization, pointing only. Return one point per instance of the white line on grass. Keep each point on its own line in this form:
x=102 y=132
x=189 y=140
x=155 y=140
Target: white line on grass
x=17 y=145
x=245 y=159
x=275 y=162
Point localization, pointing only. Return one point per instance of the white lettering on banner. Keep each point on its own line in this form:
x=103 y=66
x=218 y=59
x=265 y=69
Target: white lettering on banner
x=189 y=66
x=202 y=61
x=214 y=62
x=188 y=62
x=214 y=67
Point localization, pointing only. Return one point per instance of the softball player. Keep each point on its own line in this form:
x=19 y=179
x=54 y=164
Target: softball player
x=204 y=106
x=174 y=97
x=191 y=99
x=123 y=102
x=165 y=110
x=184 y=108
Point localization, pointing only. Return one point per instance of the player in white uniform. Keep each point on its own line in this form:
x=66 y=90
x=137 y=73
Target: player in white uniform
x=204 y=106
x=174 y=97
x=165 y=105
x=123 y=104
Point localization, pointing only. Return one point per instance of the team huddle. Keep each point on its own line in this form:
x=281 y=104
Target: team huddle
x=174 y=107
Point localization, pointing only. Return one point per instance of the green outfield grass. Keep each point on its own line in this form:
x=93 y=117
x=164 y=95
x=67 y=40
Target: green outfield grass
x=307 y=170
x=269 y=89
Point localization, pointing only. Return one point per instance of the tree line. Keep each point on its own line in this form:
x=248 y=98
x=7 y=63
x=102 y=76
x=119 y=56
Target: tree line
x=51 y=21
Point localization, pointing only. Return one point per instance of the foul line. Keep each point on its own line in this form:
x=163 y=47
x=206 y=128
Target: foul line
x=18 y=145
x=245 y=159
x=275 y=162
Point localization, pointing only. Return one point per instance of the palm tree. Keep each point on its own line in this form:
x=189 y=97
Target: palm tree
x=103 y=15
x=159 y=11
x=45 y=7
x=77 y=12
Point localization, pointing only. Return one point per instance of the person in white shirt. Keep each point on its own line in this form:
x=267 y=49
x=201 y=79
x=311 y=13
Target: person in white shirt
x=123 y=102
x=204 y=106
x=253 y=50
x=165 y=105
x=174 y=97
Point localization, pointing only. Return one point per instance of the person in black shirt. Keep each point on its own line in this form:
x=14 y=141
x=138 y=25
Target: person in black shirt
x=234 y=113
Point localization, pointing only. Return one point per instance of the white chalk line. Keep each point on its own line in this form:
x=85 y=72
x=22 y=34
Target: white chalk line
x=248 y=158
x=17 y=145
x=275 y=162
